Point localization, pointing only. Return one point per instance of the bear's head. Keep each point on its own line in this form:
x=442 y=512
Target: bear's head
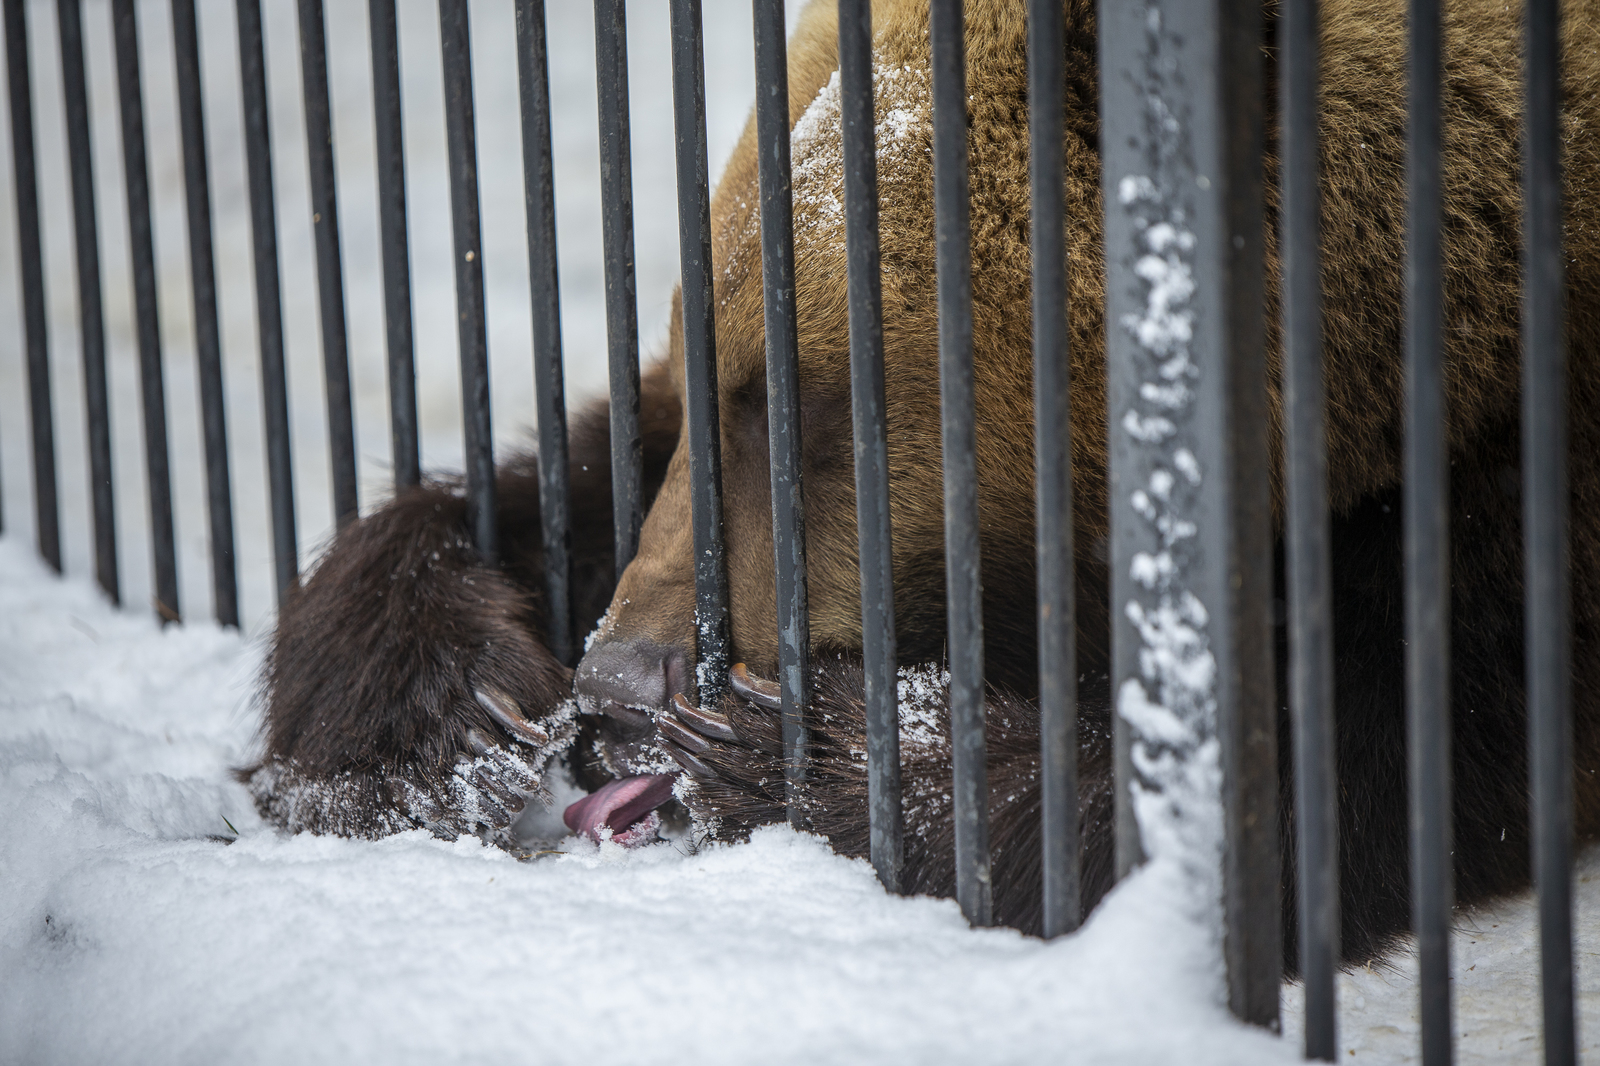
x=644 y=650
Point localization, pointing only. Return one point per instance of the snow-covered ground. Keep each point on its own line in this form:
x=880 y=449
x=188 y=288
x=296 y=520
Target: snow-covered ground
x=148 y=915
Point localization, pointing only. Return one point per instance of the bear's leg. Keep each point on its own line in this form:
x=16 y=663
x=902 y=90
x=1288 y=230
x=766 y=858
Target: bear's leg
x=408 y=685
x=734 y=760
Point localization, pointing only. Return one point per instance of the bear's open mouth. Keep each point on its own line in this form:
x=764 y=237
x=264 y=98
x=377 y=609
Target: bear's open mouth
x=627 y=808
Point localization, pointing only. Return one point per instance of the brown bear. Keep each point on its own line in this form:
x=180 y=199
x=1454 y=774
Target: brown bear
x=408 y=686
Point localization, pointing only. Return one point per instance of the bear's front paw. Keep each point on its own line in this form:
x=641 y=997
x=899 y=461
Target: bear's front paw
x=479 y=790
x=733 y=757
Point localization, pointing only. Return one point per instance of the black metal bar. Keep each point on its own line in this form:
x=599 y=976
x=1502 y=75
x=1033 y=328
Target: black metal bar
x=1427 y=537
x=538 y=175
x=269 y=305
x=1052 y=393
x=47 y=510
x=1247 y=690
x=455 y=44
x=152 y=386
x=700 y=353
x=1544 y=502
x=870 y=431
x=396 y=256
x=783 y=392
x=330 y=272
x=208 y=343
x=86 y=234
x=622 y=314
x=1307 y=531
x=963 y=582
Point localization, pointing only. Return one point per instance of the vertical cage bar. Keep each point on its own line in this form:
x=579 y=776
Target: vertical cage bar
x=699 y=353
x=391 y=165
x=46 y=507
x=958 y=416
x=622 y=313
x=91 y=315
x=538 y=174
x=269 y=306
x=1544 y=501
x=870 y=433
x=1310 y=595
x=1427 y=556
x=455 y=44
x=1191 y=517
x=208 y=342
x=1052 y=392
x=330 y=272
x=152 y=386
x=783 y=391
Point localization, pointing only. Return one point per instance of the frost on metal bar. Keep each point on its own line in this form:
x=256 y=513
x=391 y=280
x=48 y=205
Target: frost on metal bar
x=869 y=428
x=783 y=391
x=1191 y=553
x=700 y=354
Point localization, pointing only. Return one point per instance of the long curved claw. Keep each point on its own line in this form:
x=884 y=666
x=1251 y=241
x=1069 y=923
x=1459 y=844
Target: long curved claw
x=690 y=762
x=756 y=690
x=706 y=723
x=673 y=730
x=503 y=709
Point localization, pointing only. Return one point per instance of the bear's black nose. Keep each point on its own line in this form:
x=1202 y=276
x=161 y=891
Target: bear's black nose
x=630 y=681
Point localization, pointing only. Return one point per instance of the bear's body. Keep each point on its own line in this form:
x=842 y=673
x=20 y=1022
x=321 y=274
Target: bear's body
x=481 y=647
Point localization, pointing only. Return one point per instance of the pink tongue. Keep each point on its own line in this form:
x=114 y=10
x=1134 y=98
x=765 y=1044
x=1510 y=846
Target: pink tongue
x=618 y=805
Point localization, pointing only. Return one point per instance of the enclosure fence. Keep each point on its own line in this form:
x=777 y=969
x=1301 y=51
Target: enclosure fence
x=1198 y=64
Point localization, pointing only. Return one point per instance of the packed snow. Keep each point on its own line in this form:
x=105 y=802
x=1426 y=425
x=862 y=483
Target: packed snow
x=150 y=915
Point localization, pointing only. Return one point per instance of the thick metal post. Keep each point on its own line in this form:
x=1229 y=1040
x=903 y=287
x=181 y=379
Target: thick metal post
x=700 y=354
x=1544 y=502
x=152 y=386
x=963 y=583
x=622 y=311
x=47 y=511
x=330 y=270
x=208 y=339
x=455 y=44
x=1052 y=392
x=91 y=315
x=1309 y=566
x=1191 y=558
x=269 y=303
x=870 y=432
x=1425 y=508
x=397 y=331
x=538 y=177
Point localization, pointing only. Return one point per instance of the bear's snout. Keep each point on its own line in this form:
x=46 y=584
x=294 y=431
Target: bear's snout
x=627 y=683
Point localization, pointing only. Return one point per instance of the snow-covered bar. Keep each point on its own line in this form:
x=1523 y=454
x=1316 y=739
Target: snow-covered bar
x=1191 y=541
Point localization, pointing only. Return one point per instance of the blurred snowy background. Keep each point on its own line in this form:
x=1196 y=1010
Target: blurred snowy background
x=730 y=78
